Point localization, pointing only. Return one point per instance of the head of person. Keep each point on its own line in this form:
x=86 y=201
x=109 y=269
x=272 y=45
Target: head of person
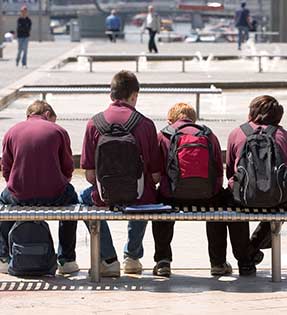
x=265 y=110
x=24 y=11
x=113 y=12
x=150 y=9
x=43 y=109
x=243 y=4
x=181 y=111
x=125 y=87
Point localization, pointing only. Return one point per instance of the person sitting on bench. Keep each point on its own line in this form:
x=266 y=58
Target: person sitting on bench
x=113 y=26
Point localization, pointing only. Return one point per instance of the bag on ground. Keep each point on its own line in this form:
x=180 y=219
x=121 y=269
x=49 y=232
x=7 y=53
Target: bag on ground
x=119 y=164
x=260 y=180
x=31 y=249
x=191 y=168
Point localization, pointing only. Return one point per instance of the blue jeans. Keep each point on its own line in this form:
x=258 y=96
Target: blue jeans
x=22 y=48
x=136 y=231
x=67 y=229
x=243 y=35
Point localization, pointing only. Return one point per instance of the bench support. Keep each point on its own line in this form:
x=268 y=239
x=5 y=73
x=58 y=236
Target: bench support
x=276 y=250
x=137 y=64
x=260 y=64
x=183 y=64
x=91 y=63
x=95 y=227
x=197 y=105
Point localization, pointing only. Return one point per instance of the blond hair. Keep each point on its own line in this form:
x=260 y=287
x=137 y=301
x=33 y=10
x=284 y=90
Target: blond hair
x=181 y=111
x=40 y=108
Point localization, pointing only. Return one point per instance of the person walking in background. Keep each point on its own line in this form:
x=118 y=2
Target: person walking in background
x=243 y=23
x=152 y=24
x=113 y=26
x=24 y=25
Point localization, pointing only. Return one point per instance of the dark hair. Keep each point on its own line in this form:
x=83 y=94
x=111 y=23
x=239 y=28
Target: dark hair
x=265 y=110
x=243 y=4
x=123 y=84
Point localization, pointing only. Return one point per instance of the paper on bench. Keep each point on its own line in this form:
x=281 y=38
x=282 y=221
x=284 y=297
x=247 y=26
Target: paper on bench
x=148 y=207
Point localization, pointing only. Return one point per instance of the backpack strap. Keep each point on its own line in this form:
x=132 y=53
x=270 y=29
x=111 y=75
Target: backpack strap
x=101 y=124
x=247 y=129
x=270 y=130
x=134 y=118
x=168 y=131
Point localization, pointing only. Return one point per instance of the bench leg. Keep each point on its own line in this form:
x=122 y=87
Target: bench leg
x=91 y=64
x=95 y=251
x=260 y=64
x=276 y=251
x=197 y=102
x=183 y=65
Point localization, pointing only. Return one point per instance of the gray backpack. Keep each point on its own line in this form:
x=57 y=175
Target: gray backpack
x=260 y=180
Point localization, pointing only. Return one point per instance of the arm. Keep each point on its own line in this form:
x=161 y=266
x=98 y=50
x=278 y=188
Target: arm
x=218 y=159
x=7 y=158
x=66 y=156
x=230 y=157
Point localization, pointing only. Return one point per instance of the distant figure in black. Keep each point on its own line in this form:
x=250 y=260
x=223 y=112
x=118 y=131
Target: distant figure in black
x=242 y=22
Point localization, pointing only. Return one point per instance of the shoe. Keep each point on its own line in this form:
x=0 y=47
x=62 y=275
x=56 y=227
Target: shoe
x=132 y=266
x=221 y=270
x=258 y=257
x=110 y=270
x=162 y=268
x=4 y=262
x=66 y=267
x=247 y=270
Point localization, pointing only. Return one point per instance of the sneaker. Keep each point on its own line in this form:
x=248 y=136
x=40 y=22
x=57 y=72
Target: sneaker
x=132 y=266
x=258 y=257
x=66 y=267
x=221 y=270
x=4 y=261
x=247 y=270
x=110 y=270
x=162 y=268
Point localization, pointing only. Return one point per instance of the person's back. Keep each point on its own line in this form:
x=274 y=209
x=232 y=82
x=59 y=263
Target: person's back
x=37 y=165
x=264 y=111
x=113 y=23
x=242 y=16
x=39 y=149
x=124 y=93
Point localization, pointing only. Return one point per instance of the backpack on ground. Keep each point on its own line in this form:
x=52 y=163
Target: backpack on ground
x=260 y=180
x=31 y=249
x=119 y=164
x=191 y=168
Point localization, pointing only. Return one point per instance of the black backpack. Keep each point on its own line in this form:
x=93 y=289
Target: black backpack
x=260 y=180
x=191 y=168
x=31 y=249
x=119 y=164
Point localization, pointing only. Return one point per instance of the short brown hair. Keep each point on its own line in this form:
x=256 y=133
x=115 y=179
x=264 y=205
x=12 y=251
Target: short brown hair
x=181 y=111
x=265 y=110
x=40 y=108
x=123 y=84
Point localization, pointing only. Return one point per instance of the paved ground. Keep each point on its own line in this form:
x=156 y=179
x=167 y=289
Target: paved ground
x=190 y=290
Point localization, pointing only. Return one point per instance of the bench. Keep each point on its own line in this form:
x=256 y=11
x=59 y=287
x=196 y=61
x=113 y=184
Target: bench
x=136 y=57
x=260 y=56
x=95 y=215
x=44 y=90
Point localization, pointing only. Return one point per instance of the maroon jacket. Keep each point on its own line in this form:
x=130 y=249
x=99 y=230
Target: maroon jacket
x=37 y=159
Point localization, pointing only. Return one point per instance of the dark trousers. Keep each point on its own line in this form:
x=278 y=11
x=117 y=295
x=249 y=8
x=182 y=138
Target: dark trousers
x=113 y=35
x=217 y=241
x=67 y=229
x=261 y=237
x=162 y=233
x=151 y=43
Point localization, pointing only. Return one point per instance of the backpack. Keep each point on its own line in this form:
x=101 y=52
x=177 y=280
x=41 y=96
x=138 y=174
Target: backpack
x=31 y=249
x=191 y=168
x=261 y=172
x=118 y=162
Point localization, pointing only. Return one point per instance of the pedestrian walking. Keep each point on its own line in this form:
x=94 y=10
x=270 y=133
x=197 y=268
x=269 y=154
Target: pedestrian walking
x=152 y=24
x=243 y=23
x=24 y=25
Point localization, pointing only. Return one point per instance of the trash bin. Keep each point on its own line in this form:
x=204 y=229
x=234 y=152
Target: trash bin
x=75 y=31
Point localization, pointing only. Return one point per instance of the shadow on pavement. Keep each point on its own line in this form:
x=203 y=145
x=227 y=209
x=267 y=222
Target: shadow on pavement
x=178 y=283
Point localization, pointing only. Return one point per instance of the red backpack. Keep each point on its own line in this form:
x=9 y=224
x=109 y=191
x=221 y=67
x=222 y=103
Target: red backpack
x=191 y=167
